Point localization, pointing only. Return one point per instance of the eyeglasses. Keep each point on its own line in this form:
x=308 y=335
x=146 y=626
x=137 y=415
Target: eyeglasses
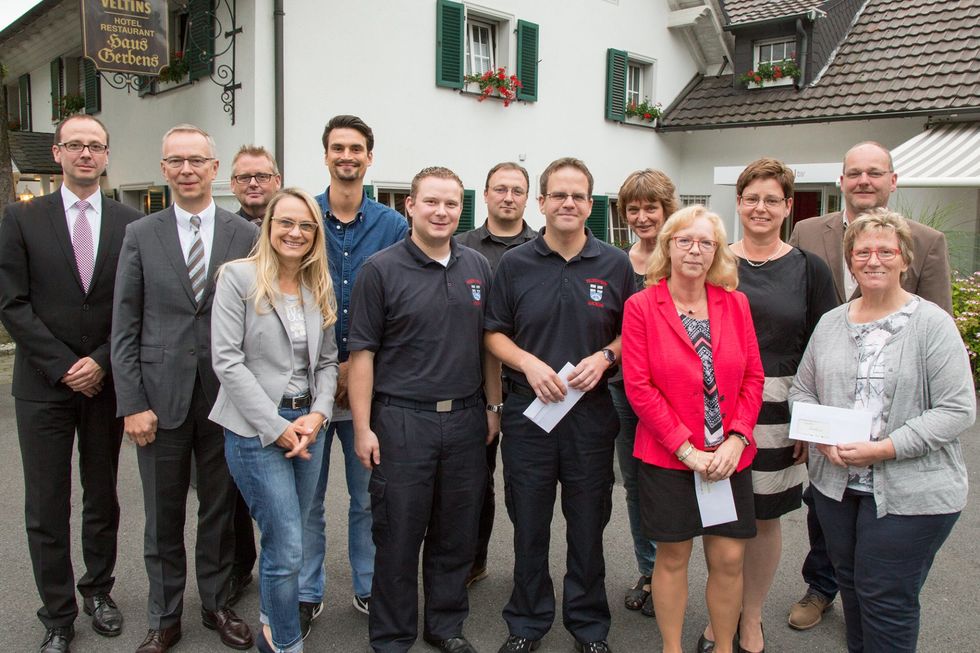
x=884 y=254
x=752 y=201
x=289 y=225
x=76 y=147
x=177 y=162
x=685 y=243
x=578 y=198
x=873 y=173
x=259 y=177
x=516 y=191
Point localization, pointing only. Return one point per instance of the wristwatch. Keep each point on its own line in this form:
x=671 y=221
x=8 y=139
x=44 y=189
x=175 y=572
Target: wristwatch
x=610 y=356
x=495 y=408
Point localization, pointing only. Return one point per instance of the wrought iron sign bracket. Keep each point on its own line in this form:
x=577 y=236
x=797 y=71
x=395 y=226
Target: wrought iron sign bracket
x=223 y=73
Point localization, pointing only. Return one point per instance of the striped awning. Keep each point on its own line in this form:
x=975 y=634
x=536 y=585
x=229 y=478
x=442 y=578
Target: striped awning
x=947 y=155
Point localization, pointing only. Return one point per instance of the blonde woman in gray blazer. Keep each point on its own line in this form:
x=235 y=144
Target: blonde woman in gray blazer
x=276 y=357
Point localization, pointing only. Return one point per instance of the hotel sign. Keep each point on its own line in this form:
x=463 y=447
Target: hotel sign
x=125 y=36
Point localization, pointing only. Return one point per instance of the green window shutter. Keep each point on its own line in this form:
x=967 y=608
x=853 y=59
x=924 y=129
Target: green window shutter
x=93 y=88
x=56 y=90
x=466 y=218
x=369 y=189
x=145 y=85
x=450 y=19
x=527 y=60
x=24 y=84
x=616 y=84
x=598 y=220
x=200 y=42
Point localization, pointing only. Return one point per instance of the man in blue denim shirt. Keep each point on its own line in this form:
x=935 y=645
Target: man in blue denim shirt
x=356 y=227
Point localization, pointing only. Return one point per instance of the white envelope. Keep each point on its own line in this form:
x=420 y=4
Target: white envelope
x=716 y=503
x=829 y=425
x=547 y=416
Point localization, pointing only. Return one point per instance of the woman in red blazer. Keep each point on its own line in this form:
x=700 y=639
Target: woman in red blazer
x=694 y=377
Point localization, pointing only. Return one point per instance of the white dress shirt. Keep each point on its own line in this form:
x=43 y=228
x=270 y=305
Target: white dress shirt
x=93 y=214
x=186 y=234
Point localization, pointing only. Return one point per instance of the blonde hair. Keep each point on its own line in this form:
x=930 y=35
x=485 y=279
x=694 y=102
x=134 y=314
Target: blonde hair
x=314 y=272
x=880 y=218
x=724 y=269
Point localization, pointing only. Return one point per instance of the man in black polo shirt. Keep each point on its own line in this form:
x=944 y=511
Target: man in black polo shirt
x=555 y=300
x=255 y=179
x=415 y=342
x=505 y=193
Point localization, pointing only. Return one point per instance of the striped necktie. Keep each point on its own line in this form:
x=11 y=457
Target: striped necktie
x=195 y=260
x=81 y=242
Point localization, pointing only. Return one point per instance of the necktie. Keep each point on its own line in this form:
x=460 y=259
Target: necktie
x=195 y=260
x=81 y=241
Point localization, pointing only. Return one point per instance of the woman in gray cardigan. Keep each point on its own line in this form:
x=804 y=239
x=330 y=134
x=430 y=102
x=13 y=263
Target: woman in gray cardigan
x=276 y=357
x=888 y=504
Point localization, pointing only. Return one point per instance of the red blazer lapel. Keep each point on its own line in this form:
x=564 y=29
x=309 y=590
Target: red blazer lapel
x=669 y=311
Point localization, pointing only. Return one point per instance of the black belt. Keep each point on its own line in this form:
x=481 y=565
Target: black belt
x=513 y=387
x=444 y=406
x=294 y=403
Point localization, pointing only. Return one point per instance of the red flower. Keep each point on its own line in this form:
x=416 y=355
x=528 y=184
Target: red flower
x=647 y=116
x=501 y=75
x=758 y=79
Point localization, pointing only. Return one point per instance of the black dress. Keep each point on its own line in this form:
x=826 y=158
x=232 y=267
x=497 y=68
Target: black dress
x=787 y=297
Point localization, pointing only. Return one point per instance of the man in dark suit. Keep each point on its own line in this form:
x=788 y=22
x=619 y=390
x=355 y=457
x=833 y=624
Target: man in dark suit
x=58 y=257
x=867 y=180
x=161 y=357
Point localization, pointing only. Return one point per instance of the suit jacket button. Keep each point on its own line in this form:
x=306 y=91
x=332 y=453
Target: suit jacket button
x=190 y=351
x=84 y=338
x=84 y=307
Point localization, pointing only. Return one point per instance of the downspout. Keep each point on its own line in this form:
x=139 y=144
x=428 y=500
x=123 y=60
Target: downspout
x=804 y=50
x=278 y=13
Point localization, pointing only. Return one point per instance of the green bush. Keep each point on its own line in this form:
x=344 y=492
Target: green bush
x=966 y=310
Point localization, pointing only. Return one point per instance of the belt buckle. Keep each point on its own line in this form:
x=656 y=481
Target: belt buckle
x=444 y=406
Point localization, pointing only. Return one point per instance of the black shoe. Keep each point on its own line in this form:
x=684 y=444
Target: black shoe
x=236 y=587
x=601 y=646
x=107 y=620
x=518 y=644
x=307 y=613
x=706 y=645
x=56 y=640
x=451 y=645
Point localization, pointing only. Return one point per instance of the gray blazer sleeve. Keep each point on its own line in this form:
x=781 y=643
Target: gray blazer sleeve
x=127 y=324
x=325 y=374
x=228 y=335
x=951 y=397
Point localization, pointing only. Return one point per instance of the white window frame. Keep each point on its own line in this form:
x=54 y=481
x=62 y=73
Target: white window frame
x=502 y=28
x=394 y=188
x=646 y=67
x=757 y=59
x=619 y=229
x=476 y=62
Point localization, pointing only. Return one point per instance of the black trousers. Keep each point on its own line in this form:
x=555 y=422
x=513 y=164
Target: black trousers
x=489 y=509
x=426 y=493
x=46 y=431
x=578 y=453
x=165 y=470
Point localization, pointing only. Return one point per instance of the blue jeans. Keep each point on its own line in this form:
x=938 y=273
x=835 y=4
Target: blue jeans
x=881 y=565
x=360 y=546
x=279 y=492
x=644 y=548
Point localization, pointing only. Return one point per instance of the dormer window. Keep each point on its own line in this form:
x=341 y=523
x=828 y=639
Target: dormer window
x=772 y=54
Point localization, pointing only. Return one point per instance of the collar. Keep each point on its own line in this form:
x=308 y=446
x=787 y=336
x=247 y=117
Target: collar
x=526 y=233
x=328 y=213
x=68 y=198
x=590 y=250
x=184 y=218
x=423 y=259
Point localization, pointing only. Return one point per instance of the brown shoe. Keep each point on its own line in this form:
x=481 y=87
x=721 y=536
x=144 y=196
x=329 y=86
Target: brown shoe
x=159 y=641
x=808 y=611
x=232 y=629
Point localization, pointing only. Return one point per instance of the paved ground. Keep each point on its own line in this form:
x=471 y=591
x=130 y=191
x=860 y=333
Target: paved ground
x=948 y=622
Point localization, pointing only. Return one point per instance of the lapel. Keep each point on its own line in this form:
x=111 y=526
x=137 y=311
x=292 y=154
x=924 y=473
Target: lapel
x=669 y=312
x=108 y=235
x=716 y=313
x=54 y=212
x=224 y=233
x=314 y=326
x=166 y=228
x=833 y=243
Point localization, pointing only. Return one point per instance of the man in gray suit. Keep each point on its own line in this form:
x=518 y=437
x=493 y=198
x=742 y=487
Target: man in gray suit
x=165 y=386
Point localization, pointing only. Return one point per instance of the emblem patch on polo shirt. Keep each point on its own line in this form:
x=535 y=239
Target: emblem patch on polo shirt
x=476 y=289
x=596 y=288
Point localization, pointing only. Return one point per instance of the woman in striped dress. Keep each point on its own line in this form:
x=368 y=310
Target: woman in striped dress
x=788 y=291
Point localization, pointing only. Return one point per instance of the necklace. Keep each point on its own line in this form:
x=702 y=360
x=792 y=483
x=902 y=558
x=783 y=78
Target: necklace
x=759 y=265
x=690 y=309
